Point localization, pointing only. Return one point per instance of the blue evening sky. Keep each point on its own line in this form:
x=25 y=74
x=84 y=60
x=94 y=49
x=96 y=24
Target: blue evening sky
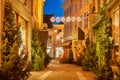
x=54 y=7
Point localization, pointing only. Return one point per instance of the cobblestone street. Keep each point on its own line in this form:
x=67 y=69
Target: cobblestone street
x=59 y=71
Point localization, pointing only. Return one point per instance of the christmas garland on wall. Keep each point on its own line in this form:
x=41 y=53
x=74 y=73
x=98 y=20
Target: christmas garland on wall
x=103 y=35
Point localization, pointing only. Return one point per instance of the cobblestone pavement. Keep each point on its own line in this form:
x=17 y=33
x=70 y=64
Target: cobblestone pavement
x=59 y=71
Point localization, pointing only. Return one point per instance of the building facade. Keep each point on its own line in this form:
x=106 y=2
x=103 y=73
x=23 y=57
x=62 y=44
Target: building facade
x=80 y=28
x=28 y=14
x=55 y=40
x=88 y=11
x=58 y=39
x=77 y=31
x=67 y=5
x=37 y=13
x=1 y=24
x=113 y=13
x=113 y=9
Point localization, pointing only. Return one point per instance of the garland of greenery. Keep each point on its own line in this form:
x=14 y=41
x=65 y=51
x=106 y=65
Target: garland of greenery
x=103 y=33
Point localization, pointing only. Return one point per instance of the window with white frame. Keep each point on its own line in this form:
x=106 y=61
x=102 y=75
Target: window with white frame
x=22 y=29
x=116 y=23
x=117 y=33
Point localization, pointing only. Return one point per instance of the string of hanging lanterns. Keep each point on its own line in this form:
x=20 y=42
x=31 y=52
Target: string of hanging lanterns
x=65 y=19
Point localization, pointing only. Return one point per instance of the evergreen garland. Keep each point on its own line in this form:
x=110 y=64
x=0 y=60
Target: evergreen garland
x=103 y=33
x=14 y=64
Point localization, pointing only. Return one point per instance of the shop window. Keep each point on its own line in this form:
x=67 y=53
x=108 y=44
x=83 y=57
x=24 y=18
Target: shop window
x=22 y=29
x=116 y=23
x=117 y=33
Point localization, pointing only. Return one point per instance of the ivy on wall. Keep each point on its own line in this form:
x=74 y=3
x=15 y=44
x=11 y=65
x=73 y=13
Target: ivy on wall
x=103 y=35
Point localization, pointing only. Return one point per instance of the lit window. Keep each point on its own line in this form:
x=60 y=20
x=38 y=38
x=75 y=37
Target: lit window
x=116 y=23
x=22 y=29
x=116 y=32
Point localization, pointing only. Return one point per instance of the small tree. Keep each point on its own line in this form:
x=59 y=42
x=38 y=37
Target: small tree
x=89 y=62
x=38 y=55
x=14 y=64
x=70 y=57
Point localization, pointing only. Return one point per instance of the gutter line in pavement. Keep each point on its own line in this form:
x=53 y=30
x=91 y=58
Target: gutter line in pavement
x=80 y=76
x=45 y=75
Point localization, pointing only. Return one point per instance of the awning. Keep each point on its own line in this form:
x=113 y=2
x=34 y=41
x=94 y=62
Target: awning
x=81 y=34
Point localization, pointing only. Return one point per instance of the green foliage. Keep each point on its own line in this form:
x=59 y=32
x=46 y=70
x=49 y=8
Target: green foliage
x=105 y=73
x=70 y=57
x=103 y=33
x=79 y=60
x=47 y=60
x=38 y=55
x=14 y=59
x=90 y=60
x=117 y=73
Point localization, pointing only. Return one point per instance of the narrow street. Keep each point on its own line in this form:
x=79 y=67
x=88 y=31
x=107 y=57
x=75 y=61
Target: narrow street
x=60 y=71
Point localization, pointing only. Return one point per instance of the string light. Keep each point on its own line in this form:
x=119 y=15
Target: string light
x=67 y=19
